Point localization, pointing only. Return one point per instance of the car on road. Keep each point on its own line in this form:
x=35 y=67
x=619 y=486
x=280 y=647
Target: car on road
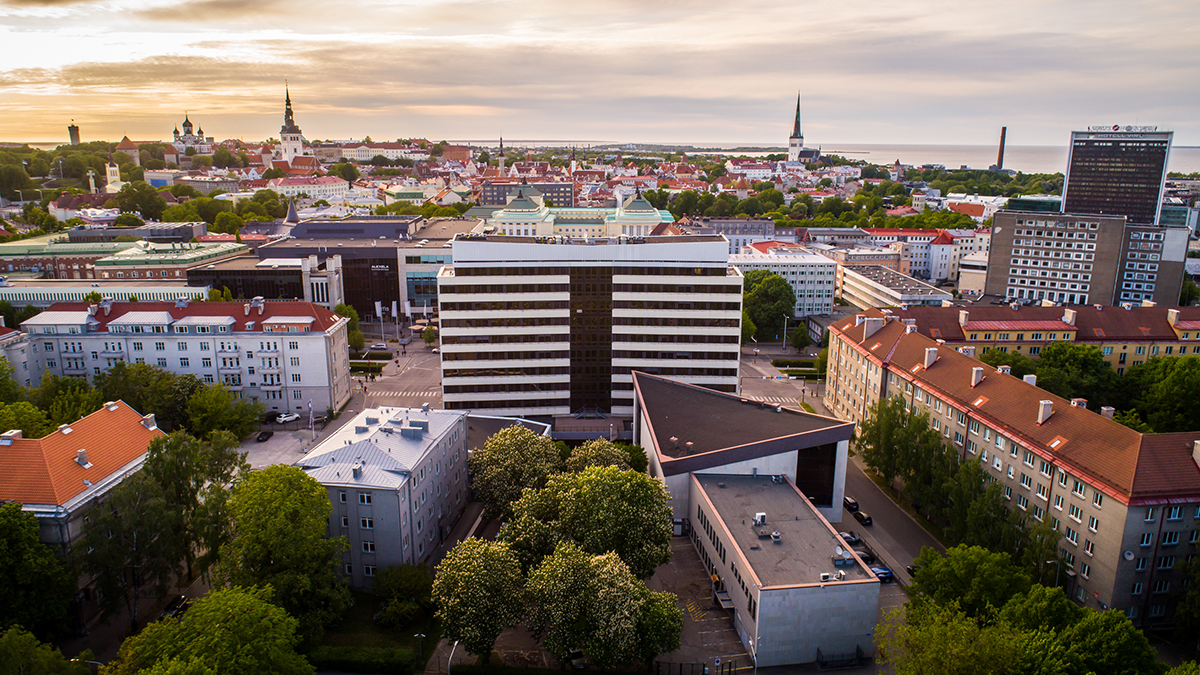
x=379 y=347
x=436 y=350
x=264 y=435
x=912 y=570
x=849 y=537
x=867 y=555
x=284 y=418
x=851 y=503
x=885 y=575
x=178 y=605
x=862 y=517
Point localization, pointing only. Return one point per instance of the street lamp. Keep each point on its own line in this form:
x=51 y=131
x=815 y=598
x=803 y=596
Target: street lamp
x=421 y=646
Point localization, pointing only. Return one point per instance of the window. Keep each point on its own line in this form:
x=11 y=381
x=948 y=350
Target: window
x=1041 y=491
x=160 y=346
x=183 y=363
x=295 y=377
x=137 y=346
x=1078 y=488
x=1162 y=586
x=1084 y=570
x=1062 y=478
x=1089 y=547
x=366 y=523
x=345 y=521
x=1007 y=492
x=1137 y=588
x=1147 y=539
x=369 y=570
x=1022 y=502
x=349 y=569
x=1072 y=536
x=1170 y=538
x=1046 y=469
x=207 y=363
x=1097 y=499
x=1076 y=513
x=293 y=345
x=974 y=426
x=204 y=346
x=1058 y=502
x=368 y=547
x=162 y=363
x=1026 y=482
x=1166 y=562
x=1028 y=458
x=1149 y=514
x=364 y=498
x=1174 y=512
x=1038 y=512
x=1140 y=565
x=1093 y=524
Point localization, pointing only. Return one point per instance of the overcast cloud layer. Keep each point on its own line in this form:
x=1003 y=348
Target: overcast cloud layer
x=699 y=71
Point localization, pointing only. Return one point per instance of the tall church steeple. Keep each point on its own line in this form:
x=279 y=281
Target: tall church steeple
x=796 y=132
x=291 y=139
x=796 y=140
x=289 y=123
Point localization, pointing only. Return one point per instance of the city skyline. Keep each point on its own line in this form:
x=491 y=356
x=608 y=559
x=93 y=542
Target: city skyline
x=614 y=71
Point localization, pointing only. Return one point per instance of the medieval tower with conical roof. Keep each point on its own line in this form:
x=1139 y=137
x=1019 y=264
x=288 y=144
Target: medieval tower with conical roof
x=796 y=141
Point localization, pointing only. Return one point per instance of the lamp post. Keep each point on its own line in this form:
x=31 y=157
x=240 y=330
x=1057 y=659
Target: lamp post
x=784 y=336
x=421 y=646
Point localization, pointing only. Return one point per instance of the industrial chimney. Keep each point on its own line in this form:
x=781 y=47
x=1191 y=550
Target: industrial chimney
x=1000 y=155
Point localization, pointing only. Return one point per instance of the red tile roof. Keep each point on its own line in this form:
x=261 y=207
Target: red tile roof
x=1107 y=324
x=942 y=239
x=973 y=210
x=44 y=470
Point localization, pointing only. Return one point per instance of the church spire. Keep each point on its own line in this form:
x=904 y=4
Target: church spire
x=289 y=123
x=796 y=132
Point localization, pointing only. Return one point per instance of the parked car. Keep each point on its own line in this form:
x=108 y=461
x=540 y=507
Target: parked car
x=270 y=417
x=436 y=350
x=851 y=503
x=849 y=537
x=866 y=554
x=912 y=570
x=284 y=418
x=885 y=575
x=379 y=347
x=176 y=607
x=264 y=435
x=862 y=517
x=577 y=660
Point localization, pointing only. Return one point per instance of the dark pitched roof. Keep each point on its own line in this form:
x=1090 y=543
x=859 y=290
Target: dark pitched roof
x=1092 y=324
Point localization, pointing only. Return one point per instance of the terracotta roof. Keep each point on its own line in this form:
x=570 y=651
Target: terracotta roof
x=127 y=144
x=1018 y=325
x=325 y=319
x=942 y=239
x=45 y=470
x=1107 y=324
x=1132 y=465
x=973 y=210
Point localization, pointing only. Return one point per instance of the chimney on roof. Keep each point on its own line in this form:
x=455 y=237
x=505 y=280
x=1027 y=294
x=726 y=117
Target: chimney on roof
x=181 y=303
x=1015 y=306
x=11 y=435
x=969 y=350
x=930 y=356
x=870 y=325
x=106 y=304
x=1127 y=306
x=110 y=405
x=1196 y=452
x=246 y=309
x=689 y=446
x=1107 y=411
x=1031 y=379
x=910 y=328
x=148 y=421
x=1045 y=410
x=1172 y=316
x=259 y=302
x=1006 y=370
x=962 y=317
x=858 y=319
x=92 y=309
x=1068 y=317
x=976 y=376
x=81 y=458
x=1148 y=303
x=1079 y=403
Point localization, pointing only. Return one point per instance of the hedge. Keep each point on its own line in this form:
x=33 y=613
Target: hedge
x=498 y=670
x=363 y=659
x=794 y=363
x=366 y=367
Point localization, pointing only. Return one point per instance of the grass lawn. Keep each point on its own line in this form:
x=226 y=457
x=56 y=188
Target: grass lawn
x=807 y=407
x=358 y=629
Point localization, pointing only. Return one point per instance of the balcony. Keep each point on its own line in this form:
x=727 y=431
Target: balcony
x=229 y=369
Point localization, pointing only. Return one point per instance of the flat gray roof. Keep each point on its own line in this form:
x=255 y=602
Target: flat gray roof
x=807 y=542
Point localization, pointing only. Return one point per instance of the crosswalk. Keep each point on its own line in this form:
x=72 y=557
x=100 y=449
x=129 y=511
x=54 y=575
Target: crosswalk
x=774 y=399
x=403 y=394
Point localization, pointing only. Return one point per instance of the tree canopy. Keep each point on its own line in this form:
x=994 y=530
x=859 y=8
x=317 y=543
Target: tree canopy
x=768 y=299
x=35 y=586
x=511 y=460
x=478 y=590
x=22 y=654
x=597 y=452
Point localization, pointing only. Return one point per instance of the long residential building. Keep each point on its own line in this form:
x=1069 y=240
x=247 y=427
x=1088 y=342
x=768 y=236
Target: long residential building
x=811 y=276
x=552 y=325
x=1126 y=336
x=286 y=354
x=1126 y=504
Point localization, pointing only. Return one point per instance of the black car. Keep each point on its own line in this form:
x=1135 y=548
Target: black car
x=851 y=503
x=849 y=537
x=862 y=517
x=912 y=570
x=865 y=553
x=262 y=436
x=884 y=574
x=176 y=607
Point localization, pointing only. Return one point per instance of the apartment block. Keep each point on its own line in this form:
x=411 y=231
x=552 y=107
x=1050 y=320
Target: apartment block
x=872 y=286
x=289 y=355
x=811 y=276
x=397 y=479
x=555 y=325
x=1126 y=504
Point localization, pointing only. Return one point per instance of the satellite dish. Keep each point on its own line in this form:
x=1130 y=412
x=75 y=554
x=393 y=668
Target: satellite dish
x=1129 y=555
x=837 y=550
x=846 y=555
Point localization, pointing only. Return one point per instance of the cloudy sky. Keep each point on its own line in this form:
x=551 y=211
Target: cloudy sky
x=928 y=71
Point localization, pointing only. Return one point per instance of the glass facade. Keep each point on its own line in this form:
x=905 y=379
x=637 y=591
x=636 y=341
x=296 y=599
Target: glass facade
x=591 y=338
x=1116 y=174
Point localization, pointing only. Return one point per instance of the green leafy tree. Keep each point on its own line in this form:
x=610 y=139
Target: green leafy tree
x=10 y=390
x=601 y=509
x=975 y=578
x=749 y=329
x=127 y=220
x=149 y=389
x=1106 y=642
x=1187 y=612
x=350 y=313
x=406 y=590
x=768 y=300
x=429 y=335
x=1041 y=607
x=228 y=222
x=511 y=460
x=883 y=435
x=21 y=415
x=356 y=340
x=215 y=408
x=926 y=639
x=1189 y=293
x=1021 y=365
x=302 y=566
x=131 y=546
x=635 y=456
x=346 y=171
x=1156 y=387
x=232 y=630
x=142 y=198
x=193 y=475
x=478 y=589
x=1133 y=420
x=1186 y=668
x=800 y=338
x=35 y=586
x=597 y=452
x=1074 y=371
x=22 y=654
x=272 y=173
x=75 y=403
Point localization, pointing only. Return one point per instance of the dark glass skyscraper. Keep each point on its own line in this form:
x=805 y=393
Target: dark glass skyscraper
x=1117 y=171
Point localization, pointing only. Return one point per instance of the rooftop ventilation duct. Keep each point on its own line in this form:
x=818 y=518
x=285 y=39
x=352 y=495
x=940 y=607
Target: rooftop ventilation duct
x=1045 y=410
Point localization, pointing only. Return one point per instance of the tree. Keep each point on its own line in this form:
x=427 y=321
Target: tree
x=429 y=335
x=272 y=173
x=21 y=415
x=10 y=390
x=601 y=509
x=597 y=452
x=22 y=654
x=1074 y=371
x=1186 y=668
x=1187 y=612
x=1189 y=293
x=356 y=340
x=214 y=408
x=131 y=545
x=971 y=576
x=925 y=639
x=301 y=565
x=478 y=590
x=1041 y=607
x=748 y=327
x=142 y=198
x=800 y=338
x=406 y=590
x=193 y=476
x=35 y=587
x=1106 y=642
x=228 y=222
x=769 y=300
x=232 y=630
x=511 y=460
x=346 y=170
x=1156 y=387
x=881 y=436
x=1021 y=365
x=127 y=220
x=350 y=313
x=150 y=389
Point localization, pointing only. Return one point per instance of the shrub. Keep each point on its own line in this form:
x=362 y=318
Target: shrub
x=498 y=670
x=366 y=367
x=794 y=363
x=363 y=659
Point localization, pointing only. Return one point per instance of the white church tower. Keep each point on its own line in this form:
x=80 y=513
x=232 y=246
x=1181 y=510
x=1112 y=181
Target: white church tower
x=291 y=140
x=796 y=141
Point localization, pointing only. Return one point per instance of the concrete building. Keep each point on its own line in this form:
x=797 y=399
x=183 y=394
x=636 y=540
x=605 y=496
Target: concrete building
x=892 y=257
x=329 y=188
x=529 y=217
x=152 y=232
x=15 y=348
x=811 y=276
x=397 y=479
x=58 y=259
x=498 y=193
x=286 y=354
x=972 y=273
x=869 y=286
x=275 y=278
x=1118 y=172
x=145 y=260
x=22 y=291
x=1084 y=259
x=740 y=232
x=553 y=326
x=1126 y=504
x=60 y=477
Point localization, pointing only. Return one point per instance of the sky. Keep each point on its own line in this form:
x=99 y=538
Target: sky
x=663 y=71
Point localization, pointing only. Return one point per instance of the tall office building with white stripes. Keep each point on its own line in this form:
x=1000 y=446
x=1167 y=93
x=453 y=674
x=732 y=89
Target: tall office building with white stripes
x=555 y=326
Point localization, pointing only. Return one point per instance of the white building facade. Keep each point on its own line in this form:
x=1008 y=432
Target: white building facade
x=811 y=276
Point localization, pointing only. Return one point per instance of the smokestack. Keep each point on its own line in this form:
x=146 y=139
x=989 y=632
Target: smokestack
x=963 y=316
x=1000 y=155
